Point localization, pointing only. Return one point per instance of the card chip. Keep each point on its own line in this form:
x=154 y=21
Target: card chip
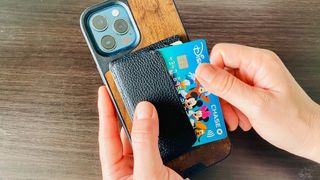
x=183 y=62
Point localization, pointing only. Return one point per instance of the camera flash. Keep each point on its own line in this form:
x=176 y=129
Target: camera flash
x=115 y=12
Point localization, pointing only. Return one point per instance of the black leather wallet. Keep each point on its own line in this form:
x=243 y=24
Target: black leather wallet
x=142 y=76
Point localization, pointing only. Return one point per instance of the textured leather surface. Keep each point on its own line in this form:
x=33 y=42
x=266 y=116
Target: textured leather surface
x=142 y=76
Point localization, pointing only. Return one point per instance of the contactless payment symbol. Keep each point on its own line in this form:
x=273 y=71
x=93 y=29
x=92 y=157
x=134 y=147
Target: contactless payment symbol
x=183 y=62
x=210 y=134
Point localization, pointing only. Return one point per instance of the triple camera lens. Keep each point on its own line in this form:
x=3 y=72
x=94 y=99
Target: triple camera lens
x=120 y=26
x=99 y=23
x=108 y=42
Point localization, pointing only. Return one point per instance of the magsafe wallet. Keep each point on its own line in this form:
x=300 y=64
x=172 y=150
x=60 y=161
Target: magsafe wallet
x=142 y=76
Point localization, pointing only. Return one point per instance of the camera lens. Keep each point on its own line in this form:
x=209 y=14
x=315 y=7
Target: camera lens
x=99 y=23
x=121 y=26
x=108 y=42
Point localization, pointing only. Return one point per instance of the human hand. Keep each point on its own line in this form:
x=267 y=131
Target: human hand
x=258 y=91
x=118 y=159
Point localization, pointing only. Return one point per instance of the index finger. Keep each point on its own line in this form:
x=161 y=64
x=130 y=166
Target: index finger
x=257 y=65
x=110 y=146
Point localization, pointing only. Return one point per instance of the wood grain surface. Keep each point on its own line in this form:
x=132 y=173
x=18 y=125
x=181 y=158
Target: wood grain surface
x=48 y=84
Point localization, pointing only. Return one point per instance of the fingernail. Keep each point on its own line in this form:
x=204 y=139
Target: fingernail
x=205 y=72
x=144 y=110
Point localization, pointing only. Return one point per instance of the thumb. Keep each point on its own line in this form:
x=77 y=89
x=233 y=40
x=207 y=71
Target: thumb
x=223 y=84
x=145 y=132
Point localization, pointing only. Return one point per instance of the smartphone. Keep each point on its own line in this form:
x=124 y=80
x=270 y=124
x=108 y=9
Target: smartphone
x=115 y=28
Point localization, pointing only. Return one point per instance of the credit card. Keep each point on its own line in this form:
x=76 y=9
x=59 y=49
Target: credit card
x=202 y=107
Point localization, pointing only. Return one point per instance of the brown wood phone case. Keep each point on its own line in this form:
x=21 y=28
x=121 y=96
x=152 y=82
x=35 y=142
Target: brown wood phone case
x=157 y=20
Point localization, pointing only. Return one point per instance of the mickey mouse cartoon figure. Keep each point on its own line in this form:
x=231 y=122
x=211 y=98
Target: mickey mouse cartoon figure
x=202 y=114
x=192 y=101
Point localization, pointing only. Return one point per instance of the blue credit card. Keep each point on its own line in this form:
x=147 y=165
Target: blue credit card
x=202 y=107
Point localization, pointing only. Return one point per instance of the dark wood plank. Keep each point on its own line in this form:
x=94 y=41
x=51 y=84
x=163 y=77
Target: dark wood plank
x=48 y=84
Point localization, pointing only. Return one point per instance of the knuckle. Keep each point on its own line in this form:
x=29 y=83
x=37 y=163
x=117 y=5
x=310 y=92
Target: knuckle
x=269 y=55
x=219 y=46
x=226 y=84
x=141 y=136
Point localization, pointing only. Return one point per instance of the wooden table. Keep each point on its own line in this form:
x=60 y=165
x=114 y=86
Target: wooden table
x=48 y=84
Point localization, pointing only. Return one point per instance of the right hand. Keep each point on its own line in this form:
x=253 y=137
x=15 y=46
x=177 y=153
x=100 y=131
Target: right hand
x=257 y=90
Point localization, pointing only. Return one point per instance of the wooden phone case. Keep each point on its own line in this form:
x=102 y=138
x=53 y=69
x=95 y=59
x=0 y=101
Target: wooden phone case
x=157 y=20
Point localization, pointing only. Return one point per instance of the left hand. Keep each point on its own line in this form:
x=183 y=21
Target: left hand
x=118 y=159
